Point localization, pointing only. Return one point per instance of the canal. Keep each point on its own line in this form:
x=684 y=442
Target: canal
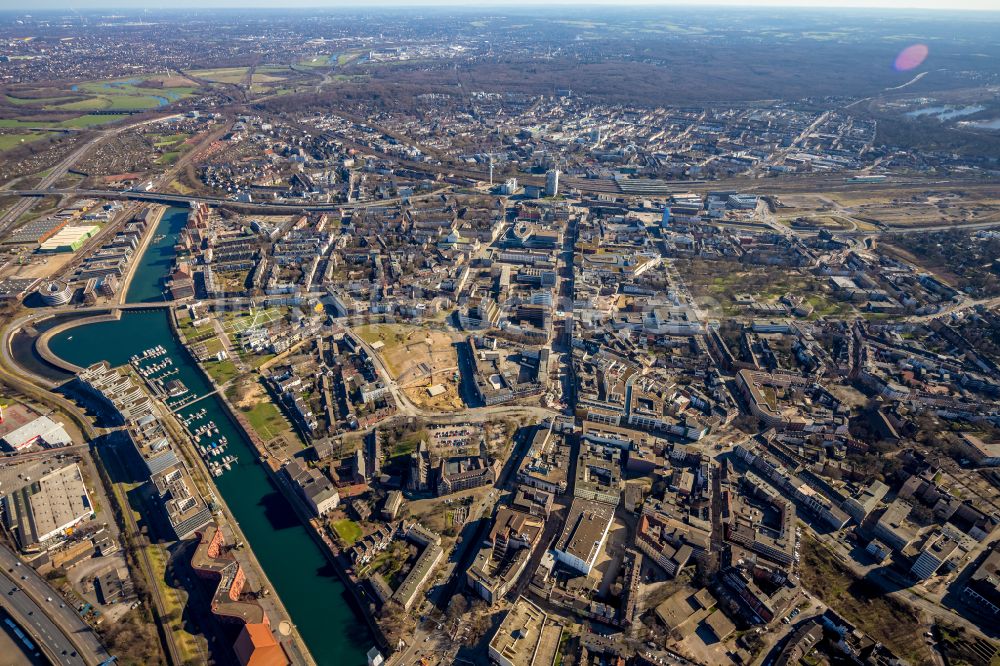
x=156 y=261
x=307 y=585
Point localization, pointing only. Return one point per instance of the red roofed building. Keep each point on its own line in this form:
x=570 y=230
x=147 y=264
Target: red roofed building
x=255 y=646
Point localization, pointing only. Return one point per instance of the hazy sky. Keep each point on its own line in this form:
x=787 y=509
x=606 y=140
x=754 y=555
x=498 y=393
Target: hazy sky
x=27 y=7
x=944 y=5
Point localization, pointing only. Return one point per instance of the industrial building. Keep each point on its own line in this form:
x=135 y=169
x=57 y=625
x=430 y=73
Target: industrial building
x=42 y=430
x=68 y=239
x=42 y=511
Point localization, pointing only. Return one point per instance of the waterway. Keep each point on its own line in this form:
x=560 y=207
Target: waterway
x=307 y=585
x=167 y=97
x=943 y=113
x=156 y=261
x=984 y=124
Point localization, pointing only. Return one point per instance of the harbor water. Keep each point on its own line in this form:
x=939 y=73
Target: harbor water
x=306 y=583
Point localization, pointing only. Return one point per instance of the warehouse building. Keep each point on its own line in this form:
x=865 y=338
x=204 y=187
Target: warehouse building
x=42 y=430
x=68 y=239
x=41 y=512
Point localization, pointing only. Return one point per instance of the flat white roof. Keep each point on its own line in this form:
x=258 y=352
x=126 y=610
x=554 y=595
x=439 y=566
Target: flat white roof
x=60 y=503
x=68 y=235
x=43 y=427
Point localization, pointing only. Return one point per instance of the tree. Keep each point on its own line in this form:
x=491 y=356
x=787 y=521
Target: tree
x=922 y=515
x=479 y=621
x=396 y=623
x=457 y=607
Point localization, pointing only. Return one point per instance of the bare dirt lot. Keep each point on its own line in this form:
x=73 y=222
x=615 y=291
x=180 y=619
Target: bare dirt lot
x=44 y=265
x=907 y=206
x=418 y=359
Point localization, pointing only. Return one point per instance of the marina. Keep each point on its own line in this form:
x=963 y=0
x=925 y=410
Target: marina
x=315 y=598
x=159 y=372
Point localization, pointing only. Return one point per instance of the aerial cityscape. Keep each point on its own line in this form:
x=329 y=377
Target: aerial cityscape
x=521 y=335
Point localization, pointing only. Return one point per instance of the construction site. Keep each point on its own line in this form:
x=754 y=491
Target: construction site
x=423 y=361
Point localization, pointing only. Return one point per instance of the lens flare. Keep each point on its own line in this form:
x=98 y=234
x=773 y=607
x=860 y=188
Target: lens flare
x=910 y=57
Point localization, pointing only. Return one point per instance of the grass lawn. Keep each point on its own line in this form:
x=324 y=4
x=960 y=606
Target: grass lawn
x=78 y=122
x=315 y=61
x=174 y=600
x=180 y=188
x=824 y=307
x=348 y=531
x=221 y=372
x=125 y=95
x=372 y=333
x=168 y=157
x=41 y=101
x=258 y=360
x=212 y=345
x=86 y=104
x=187 y=327
x=88 y=121
x=8 y=141
x=717 y=283
x=170 y=140
x=281 y=70
x=407 y=444
x=389 y=563
x=267 y=420
x=222 y=74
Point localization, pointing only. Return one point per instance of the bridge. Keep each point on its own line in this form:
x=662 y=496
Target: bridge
x=286 y=208
x=177 y=199
x=185 y=404
x=259 y=207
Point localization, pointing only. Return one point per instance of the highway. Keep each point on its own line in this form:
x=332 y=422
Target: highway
x=55 y=625
x=8 y=219
x=24 y=205
x=185 y=199
x=39 y=628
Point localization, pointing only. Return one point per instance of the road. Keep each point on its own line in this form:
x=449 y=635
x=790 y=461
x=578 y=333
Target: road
x=30 y=616
x=774 y=638
x=779 y=156
x=58 y=171
x=472 y=414
x=53 y=623
x=988 y=303
x=896 y=586
x=15 y=457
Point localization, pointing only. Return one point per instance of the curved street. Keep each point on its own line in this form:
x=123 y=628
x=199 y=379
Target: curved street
x=65 y=636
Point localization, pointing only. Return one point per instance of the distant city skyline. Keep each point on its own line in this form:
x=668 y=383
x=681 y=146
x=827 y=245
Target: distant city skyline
x=90 y=5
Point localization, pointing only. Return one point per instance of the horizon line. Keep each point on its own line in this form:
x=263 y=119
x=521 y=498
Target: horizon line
x=238 y=5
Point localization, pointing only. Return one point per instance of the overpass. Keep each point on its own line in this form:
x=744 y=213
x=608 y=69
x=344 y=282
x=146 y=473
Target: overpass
x=11 y=216
x=290 y=208
x=65 y=637
x=260 y=207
